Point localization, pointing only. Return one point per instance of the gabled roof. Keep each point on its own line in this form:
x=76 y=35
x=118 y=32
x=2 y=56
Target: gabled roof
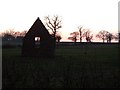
x=47 y=45
x=37 y=29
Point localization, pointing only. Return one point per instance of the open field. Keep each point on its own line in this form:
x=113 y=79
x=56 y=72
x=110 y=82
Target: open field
x=85 y=66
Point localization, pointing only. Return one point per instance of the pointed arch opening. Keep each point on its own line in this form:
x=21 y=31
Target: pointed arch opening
x=37 y=42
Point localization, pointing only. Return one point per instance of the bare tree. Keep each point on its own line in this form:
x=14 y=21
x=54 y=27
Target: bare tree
x=102 y=35
x=109 y=37
x=58 y=38
x=9 y=32
x=74 y=36
x=88 y=36
x=23 y=33
x=117 y=37
x=8 y=35
x=53 y=24
x=105 y=35
x=81 y=32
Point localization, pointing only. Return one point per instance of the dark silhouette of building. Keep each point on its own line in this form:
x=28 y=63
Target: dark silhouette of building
x=38 y=42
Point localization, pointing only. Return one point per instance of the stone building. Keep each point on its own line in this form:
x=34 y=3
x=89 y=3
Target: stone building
x=38 y=42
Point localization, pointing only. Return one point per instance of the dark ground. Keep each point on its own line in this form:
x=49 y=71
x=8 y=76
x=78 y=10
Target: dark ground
x=85 y=66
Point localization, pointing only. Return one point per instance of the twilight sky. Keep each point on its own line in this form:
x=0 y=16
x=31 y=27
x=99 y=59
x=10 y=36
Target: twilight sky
x=95 y=15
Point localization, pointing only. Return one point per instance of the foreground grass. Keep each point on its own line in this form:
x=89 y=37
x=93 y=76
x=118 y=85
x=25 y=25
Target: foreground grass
x=72 y=67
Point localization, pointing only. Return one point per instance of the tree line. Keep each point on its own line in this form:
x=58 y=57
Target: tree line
x=88 y=36
x=53 y=24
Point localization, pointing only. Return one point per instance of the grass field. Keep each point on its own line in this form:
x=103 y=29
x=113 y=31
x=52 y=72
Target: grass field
x=87 y=66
